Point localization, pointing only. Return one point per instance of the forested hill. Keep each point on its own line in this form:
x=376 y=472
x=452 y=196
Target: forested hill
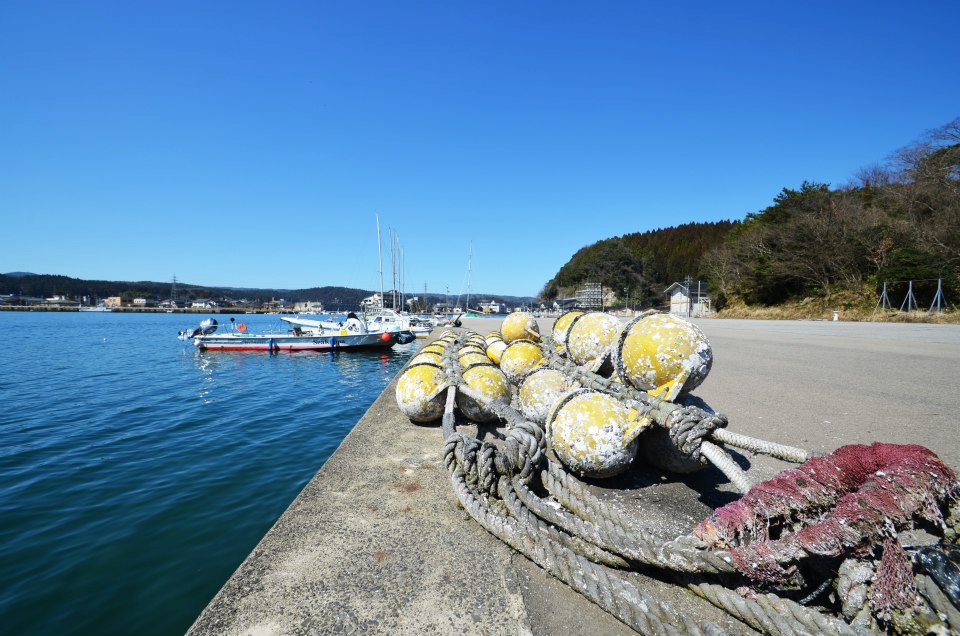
x=642 y=262
x=894 y=226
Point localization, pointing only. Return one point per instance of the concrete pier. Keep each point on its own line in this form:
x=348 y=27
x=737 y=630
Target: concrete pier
x=376 y=541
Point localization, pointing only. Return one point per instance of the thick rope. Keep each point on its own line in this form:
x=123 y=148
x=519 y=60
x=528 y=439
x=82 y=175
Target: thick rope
x=581 y=546
x=772 y=614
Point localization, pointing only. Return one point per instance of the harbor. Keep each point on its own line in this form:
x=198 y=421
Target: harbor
x=418 y=564
x=498 y=319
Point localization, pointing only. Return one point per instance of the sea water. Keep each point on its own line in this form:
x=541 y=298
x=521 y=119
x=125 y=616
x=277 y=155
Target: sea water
x=136 y=473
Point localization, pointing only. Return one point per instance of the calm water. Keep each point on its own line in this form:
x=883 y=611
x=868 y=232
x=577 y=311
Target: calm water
x=136 y=473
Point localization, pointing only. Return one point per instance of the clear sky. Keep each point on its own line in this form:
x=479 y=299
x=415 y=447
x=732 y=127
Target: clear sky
x=251 y=143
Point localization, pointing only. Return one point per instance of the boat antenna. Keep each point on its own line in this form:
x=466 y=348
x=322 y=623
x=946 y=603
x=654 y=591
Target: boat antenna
x=380 y=260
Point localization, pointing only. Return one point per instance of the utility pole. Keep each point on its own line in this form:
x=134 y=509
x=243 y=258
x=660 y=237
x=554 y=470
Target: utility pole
x=699 y=302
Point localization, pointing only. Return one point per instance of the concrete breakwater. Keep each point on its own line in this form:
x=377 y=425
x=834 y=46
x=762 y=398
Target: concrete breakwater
x=376 y=542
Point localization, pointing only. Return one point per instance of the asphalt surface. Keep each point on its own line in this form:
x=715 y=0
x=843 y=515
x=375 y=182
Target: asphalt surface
x=823 y=384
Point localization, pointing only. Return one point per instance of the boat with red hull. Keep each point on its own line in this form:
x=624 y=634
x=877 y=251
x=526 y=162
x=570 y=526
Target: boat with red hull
x=293 y=342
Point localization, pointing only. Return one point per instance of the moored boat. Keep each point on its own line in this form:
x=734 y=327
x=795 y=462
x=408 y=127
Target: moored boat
x=205 y=338
x=293 y=342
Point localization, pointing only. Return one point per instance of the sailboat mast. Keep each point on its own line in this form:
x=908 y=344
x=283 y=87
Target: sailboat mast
x=469 y=274
x=380 y=260
x=393 y=268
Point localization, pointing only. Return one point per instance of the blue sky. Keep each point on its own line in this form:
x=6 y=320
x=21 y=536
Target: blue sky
x=251 y=144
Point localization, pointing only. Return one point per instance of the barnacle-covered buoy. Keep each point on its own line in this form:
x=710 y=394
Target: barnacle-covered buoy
x=493 y=336
x=426 y=356
x=593 y=434
x=591 y=335
x=519 y=326
x=660 y=349
x=420 y=392
x=495 y=349
x=562 y=326
x=539 y=391
x=473 y=357
x=487 y=380
x=434 y=347
x=520 y=357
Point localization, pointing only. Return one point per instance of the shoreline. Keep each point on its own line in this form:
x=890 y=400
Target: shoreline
x=149 y=310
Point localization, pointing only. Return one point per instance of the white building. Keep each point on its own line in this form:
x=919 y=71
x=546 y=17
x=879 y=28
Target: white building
x=688 y=301
x=590 y=296
x=139 y=302
x=371 y=303
x=308 y=307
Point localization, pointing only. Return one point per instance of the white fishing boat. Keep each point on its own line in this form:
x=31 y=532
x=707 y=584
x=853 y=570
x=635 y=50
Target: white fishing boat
x=384 y=321
x=99 y=308
x=205 y=339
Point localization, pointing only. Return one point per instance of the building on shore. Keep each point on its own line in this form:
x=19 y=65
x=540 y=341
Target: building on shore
x=113 y=302
x=308 y=307
x=590 y=296
x=372 y=303
x=688 y=300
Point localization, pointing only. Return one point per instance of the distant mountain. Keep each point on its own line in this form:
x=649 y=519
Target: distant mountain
x=642 y=262
x=334 y=298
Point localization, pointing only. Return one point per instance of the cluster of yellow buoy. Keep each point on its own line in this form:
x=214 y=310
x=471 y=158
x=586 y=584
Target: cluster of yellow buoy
x=591 y=432
x=420 y=388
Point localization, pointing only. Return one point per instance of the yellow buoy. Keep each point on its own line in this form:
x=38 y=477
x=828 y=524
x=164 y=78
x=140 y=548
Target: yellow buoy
x=520 y=325
x=490 y=382
x=593 y=434
x=562 y=326
x=471 y=348
x=434 y=347
x=519 y=357
x=426 y=356
x=493 y=336
x=420 y=392
x=539 y=391
x=660 y=349
x=591 y=336
x=473 y=357
x=495 y=349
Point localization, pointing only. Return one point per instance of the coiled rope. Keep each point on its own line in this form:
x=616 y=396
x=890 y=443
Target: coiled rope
x=589 y=545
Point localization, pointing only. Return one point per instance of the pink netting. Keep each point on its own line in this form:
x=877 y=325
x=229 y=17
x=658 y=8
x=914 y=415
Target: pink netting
x=844 y=500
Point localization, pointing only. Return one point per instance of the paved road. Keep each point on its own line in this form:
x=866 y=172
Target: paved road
x=825 y=384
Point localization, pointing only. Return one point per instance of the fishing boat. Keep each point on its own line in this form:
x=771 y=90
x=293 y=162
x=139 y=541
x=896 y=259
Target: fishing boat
x=99 y=308
x=384 y=321
x=205 y=339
